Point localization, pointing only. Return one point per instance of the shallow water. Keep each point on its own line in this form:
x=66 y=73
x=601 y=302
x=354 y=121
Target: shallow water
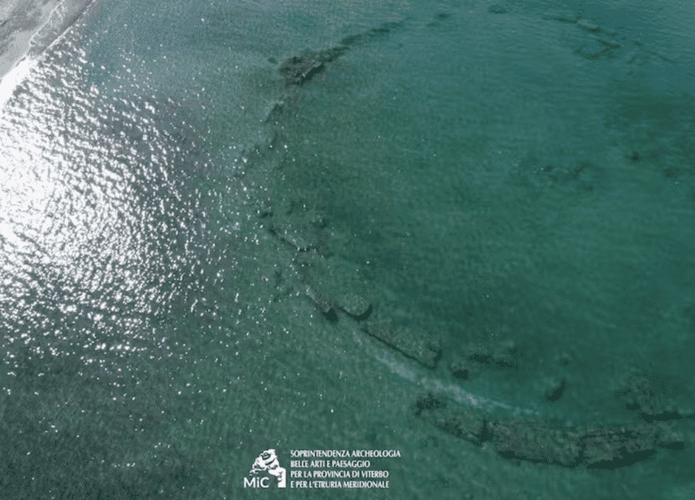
x=523 y=176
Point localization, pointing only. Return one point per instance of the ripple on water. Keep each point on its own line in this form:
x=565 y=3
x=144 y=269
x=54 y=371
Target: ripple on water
x=100 y=230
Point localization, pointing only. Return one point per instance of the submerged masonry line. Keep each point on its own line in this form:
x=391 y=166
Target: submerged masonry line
x=336 y=289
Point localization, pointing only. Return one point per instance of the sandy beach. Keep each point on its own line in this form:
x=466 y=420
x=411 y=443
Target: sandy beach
x=19 y=21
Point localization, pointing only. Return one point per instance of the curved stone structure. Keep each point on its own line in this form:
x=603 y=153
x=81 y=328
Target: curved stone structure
x=537 y=440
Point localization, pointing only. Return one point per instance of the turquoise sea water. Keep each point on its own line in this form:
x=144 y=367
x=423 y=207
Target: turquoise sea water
x=520 y=172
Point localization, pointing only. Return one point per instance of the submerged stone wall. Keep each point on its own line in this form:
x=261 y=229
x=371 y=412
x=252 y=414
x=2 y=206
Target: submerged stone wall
x=537 y=440
x=338 y=288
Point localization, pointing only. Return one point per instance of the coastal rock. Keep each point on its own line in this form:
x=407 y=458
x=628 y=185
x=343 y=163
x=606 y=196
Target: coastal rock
x=409 y=340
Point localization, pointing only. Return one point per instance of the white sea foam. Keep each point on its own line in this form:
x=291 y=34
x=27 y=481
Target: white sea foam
x=411 y=373
x=55 y=19
x=12 y=80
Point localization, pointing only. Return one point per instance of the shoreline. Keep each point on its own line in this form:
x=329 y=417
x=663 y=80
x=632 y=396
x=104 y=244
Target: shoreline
x=19 y=22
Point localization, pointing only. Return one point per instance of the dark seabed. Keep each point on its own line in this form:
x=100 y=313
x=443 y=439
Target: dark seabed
x=460 y=231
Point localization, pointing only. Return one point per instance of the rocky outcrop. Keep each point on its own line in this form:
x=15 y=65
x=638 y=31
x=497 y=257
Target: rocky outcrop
x=538 y=440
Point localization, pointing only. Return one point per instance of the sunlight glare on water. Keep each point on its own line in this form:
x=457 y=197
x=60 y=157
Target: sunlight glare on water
x=90 y=219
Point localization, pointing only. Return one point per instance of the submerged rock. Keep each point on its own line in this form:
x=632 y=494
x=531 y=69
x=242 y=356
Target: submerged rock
x=296 y=237
x=593 y=50
x=298 y=70
x=463 y=422
x=352 y=39
x=275 y=112
x=618 y=446
x=497 y=354
x=461 y=369
x=339 y=281
x=564 y=359
x=553 y=388
x=639 y=392
x=565 y=16
x=614 y=447
x=537 y=440
x=410 y=340
x=597 y=446
x=355 y=305
x=319 y=300
x=299 y=229
x=587 y=25
x=496 y=9
x=609 y=42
